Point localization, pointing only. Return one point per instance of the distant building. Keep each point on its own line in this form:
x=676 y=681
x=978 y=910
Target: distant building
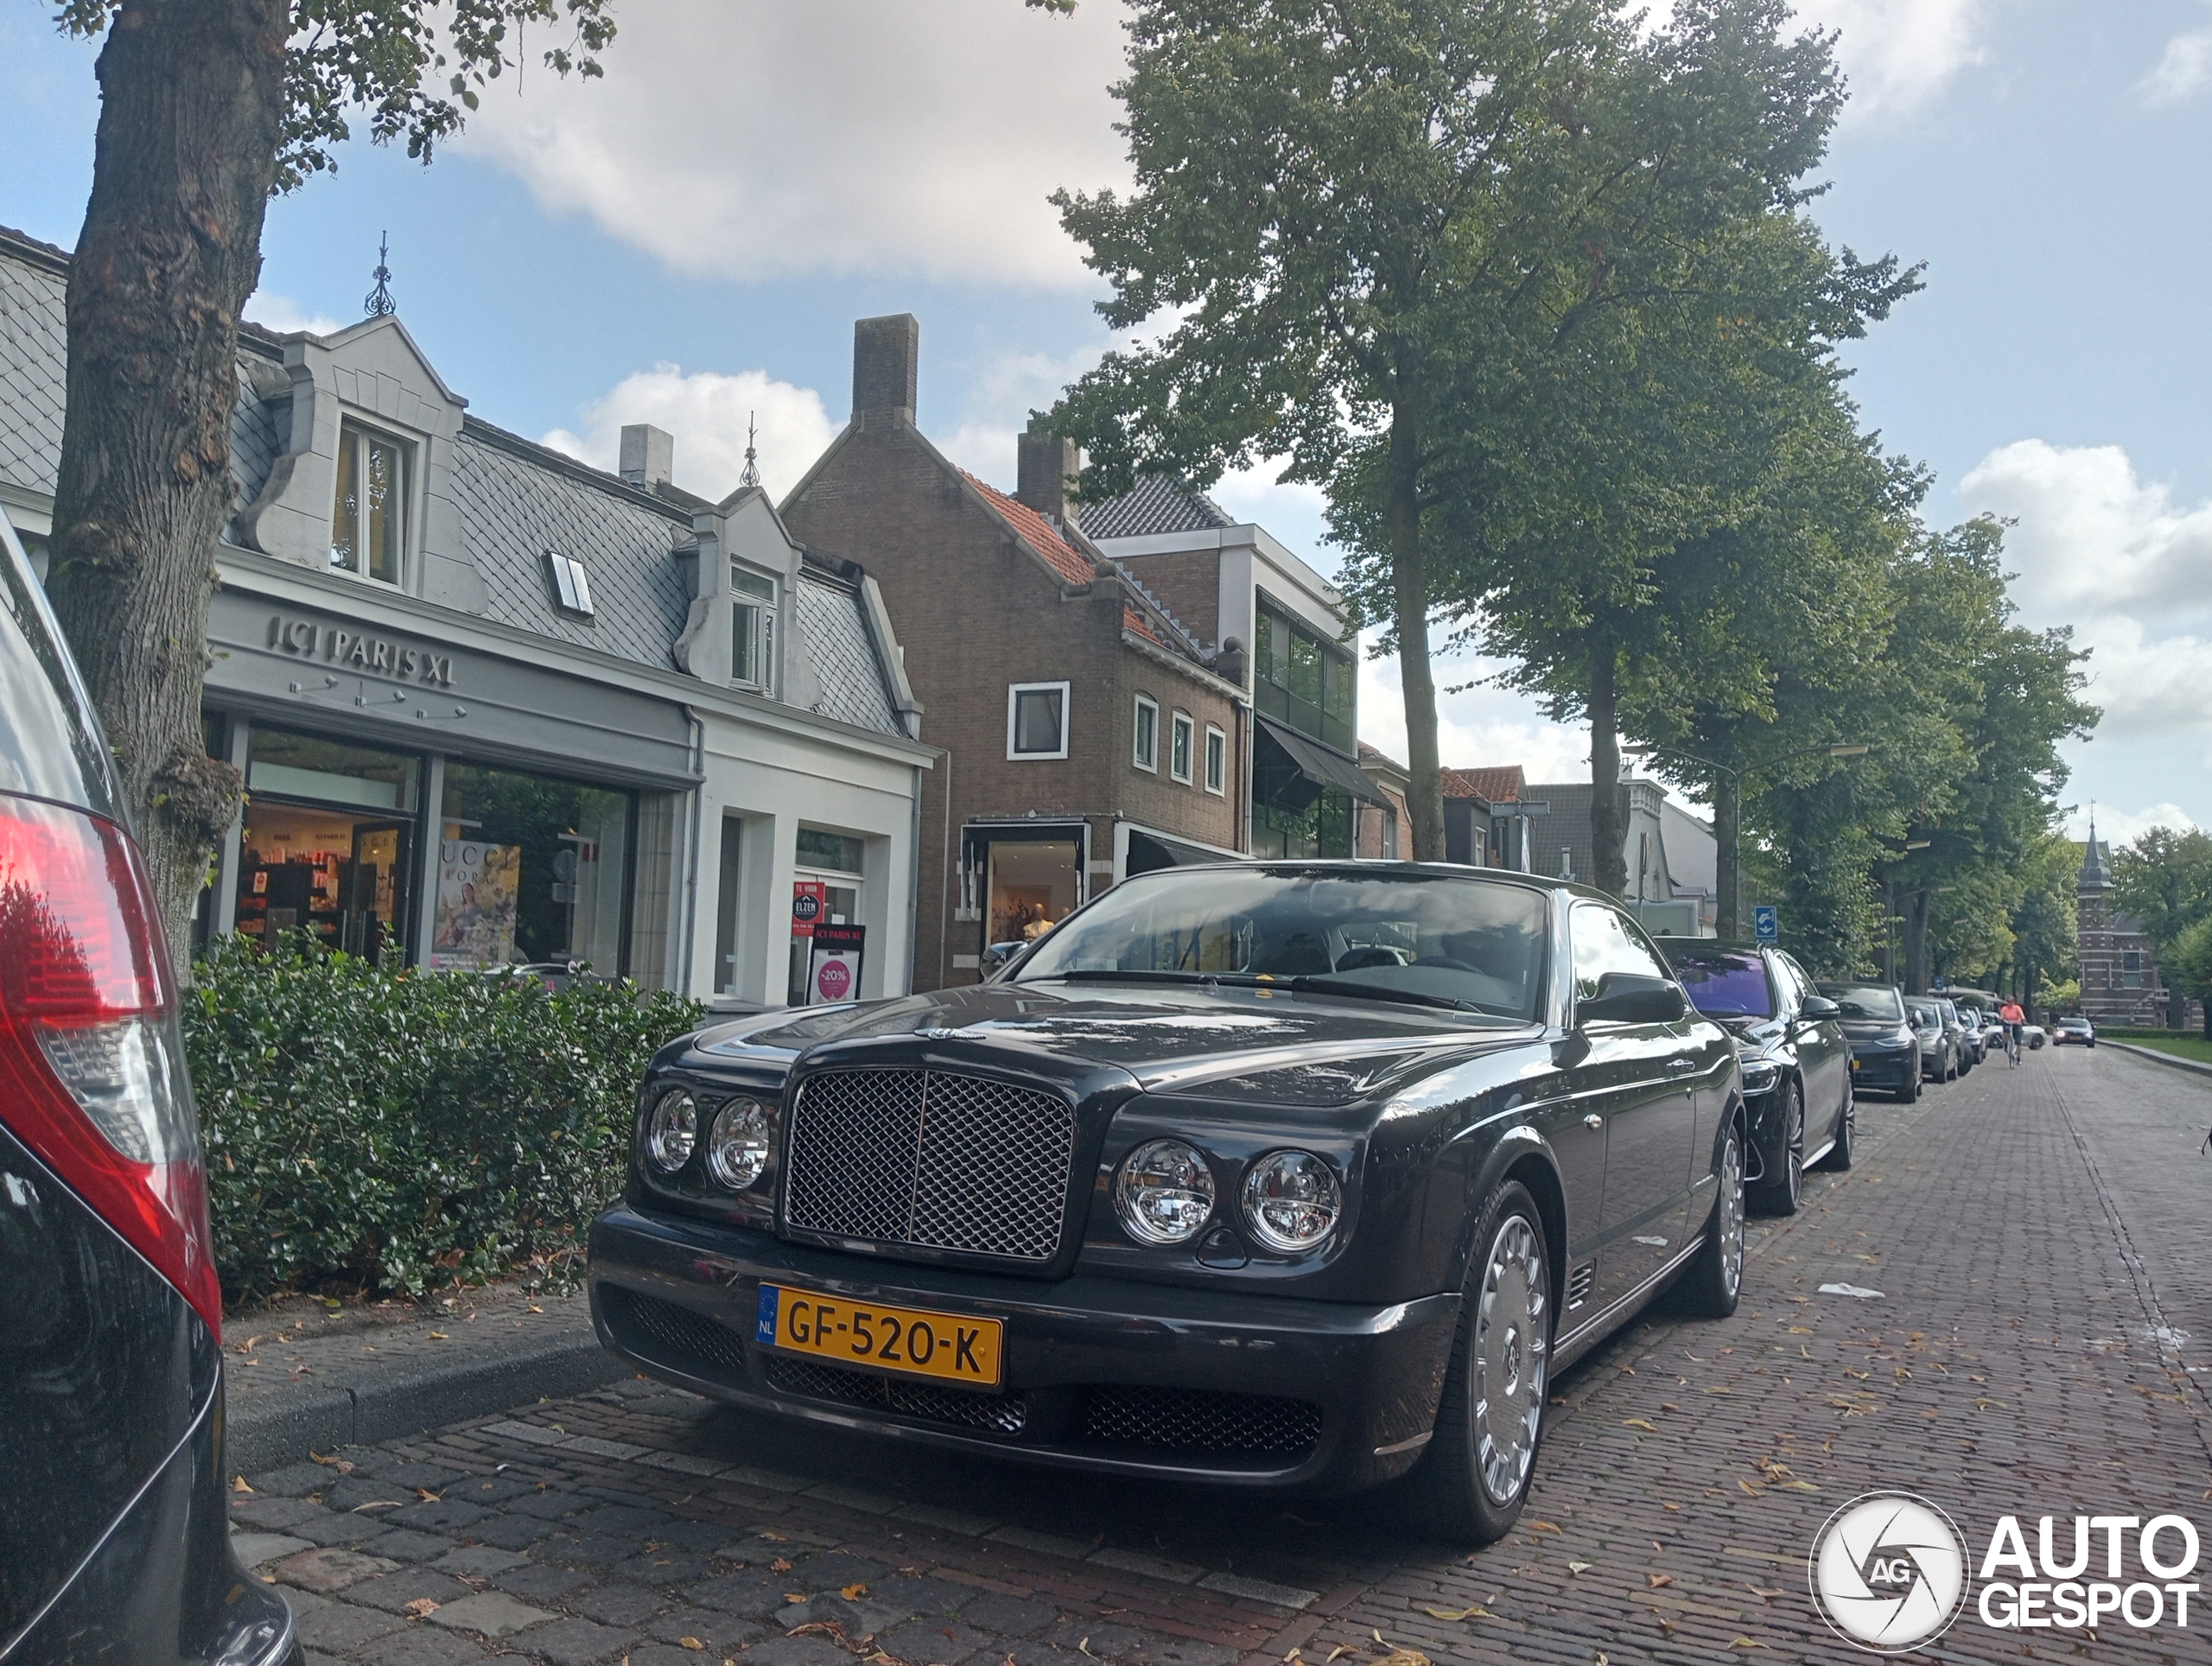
x=2120 y=982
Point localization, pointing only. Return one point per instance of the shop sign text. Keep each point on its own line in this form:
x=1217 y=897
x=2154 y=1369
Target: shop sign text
x=374 y=655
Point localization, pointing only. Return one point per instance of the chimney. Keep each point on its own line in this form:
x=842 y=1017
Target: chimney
x=648 y=456
x=887 y=357
x=1047 y=462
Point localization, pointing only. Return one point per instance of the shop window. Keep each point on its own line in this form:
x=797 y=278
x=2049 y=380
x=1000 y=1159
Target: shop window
x=1301 y=679
x=327 y=844
x=531 y=868
x=826 y=890
x=1181 y=733
x=1032 y=887
x=752 y=628
x=1286 y=828
x=1037 y=719
x=1217 y=760
x=838 y=852
x=1146 y=754
x=330 y=772
x=368 y=518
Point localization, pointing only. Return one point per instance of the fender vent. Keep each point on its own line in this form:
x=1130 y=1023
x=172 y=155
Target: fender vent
x=1577 y=1284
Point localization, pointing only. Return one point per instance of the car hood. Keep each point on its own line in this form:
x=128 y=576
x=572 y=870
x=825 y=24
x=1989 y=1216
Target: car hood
x=1168 y=1038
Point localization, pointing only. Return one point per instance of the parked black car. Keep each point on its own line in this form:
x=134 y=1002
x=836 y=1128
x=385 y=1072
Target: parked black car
x=114 y=1523
x=1297 y=1174
x=1795 y=1060
x=1884 y=1045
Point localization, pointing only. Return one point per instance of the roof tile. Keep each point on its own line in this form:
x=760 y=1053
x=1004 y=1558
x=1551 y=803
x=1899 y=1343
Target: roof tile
x=1040 y=534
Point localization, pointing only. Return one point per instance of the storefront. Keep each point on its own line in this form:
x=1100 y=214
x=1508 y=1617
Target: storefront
x=419 y=800
x=1018 y=879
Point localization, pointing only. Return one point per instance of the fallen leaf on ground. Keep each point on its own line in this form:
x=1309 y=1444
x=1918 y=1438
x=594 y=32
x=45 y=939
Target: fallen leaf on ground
x=1799 y=1486
x=1751 y=1487
x=778 y=1537
x=1668 y=1405
x=1746 y=1643
x=794 y=1596
x=1640 y=1423
x=690 y=1643
x=1761 y=1590
x=1659 y=1579
x=1542 y=1527
x=1474 y=1610
x=239 y=1486
x=439 y=1336
x=781 y=1565
x=1674 y=1509
x=422 y=1607
x=1405 y=1658
x=344 y=1466
x=381 y=1504
x=1579 y=1567
x=853 y=1593
x=426 y=1496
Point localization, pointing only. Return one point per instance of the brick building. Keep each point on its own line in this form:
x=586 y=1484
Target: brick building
x=2120 y=982
x=1087 y=733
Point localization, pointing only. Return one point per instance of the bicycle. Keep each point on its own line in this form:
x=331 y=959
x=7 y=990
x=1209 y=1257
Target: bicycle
x=2012 y=1045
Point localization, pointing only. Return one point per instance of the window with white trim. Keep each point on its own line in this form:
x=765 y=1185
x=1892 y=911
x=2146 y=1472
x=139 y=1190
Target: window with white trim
x=571 y=584
x=752 y=627
x=1145 y=754
x=368 y=514
x=1037 y=719
x=1182 y=735
x=1217 y=760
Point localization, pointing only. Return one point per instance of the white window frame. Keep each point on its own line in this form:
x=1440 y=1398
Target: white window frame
x=1013 y=693
x=765 y=609
x=1182 y=727
x=571 y=584
x=354 y=434
x=1146 y=706
x=1217 y=760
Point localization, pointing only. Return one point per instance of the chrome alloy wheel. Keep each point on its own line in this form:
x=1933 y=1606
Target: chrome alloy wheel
x=1728 y=1216
x=1511 y=1350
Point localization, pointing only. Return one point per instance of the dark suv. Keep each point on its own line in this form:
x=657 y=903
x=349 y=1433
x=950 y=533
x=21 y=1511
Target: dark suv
x=114 y=1528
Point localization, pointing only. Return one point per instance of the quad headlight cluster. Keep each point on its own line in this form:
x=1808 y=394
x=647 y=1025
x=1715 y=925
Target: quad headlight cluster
x=740 y=1136
x=1165 y=1194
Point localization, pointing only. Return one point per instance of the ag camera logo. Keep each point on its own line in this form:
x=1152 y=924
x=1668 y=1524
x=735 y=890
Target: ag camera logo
x=1889 y=1571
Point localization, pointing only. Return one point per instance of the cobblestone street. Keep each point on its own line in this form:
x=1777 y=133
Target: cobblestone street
x=2039 y=1344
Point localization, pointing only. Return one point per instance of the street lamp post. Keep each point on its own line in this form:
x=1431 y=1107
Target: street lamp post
x=1732 y=894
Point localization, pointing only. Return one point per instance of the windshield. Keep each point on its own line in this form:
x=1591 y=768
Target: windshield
x=1923 y=1017
x=1866 y=1001
x=1724 y=982
x=1465 y=943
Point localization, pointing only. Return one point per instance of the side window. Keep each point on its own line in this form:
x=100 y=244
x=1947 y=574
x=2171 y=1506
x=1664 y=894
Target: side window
x=1602 y=943
x=1037 y=719
x=1795 y=986
x=752 y=627
x=1146 y=753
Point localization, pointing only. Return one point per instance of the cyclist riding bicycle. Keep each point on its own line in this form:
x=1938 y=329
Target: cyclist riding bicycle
x=2013 y=1018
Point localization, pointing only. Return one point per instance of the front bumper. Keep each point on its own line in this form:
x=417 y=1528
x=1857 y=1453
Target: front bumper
x=1100 y=1373
x=1885 y=1070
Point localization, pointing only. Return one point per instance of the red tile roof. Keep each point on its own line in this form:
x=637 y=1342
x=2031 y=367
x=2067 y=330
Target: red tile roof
x=1070 y=562
x=1499 y=785
x=1133 y=620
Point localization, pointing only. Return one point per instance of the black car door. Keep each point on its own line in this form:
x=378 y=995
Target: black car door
x=1823 y=1059
x=1648 y=1114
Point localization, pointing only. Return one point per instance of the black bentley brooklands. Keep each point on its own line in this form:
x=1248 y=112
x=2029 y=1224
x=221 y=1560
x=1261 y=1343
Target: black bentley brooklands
x=1279 y=1175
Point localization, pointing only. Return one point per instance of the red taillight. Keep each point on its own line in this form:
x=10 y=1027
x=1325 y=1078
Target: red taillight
x=91 y=1075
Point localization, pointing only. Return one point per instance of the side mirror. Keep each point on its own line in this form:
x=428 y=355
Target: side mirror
x=1819 y=1007
x=1630 y=998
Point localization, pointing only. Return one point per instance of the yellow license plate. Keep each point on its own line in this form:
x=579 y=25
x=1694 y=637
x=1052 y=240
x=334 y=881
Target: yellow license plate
x=951 y=1347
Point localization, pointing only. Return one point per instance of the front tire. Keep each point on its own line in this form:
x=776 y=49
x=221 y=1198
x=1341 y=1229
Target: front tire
x=1910 y=1091
x=1783 y=1187
x=1846 y=1131
x=1715 y=1280
x=1473 y=1479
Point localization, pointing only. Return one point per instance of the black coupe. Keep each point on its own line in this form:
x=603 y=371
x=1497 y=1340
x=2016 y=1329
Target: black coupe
x=1304 y=1174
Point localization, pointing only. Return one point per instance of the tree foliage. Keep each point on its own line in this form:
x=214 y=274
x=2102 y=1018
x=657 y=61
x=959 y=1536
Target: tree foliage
x=2164 y=880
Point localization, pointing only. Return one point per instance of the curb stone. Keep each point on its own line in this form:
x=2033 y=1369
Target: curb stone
x=2157 y=1057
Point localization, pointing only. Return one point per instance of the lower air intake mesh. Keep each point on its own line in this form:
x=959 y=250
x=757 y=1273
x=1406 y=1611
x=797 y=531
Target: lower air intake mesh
x=674 y=1336
x=1192 y=1419
x=1002 y=1414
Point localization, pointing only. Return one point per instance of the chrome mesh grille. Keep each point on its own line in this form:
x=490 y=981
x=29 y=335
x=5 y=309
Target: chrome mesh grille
x=1193 y=1419
x=930 y=1158
x=1005 y=1414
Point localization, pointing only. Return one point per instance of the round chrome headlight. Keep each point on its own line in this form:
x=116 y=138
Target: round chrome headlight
x=671 y=1129
x=1165 y=1193
x=737 y=1145
x=1292 y=1201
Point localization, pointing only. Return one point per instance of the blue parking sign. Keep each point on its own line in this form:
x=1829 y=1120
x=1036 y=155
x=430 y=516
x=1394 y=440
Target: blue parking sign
x=1766 y=923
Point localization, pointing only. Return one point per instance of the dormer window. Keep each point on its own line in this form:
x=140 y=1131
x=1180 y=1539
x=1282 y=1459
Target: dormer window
x=571 y=584
x=752 y=627
x=368 y=520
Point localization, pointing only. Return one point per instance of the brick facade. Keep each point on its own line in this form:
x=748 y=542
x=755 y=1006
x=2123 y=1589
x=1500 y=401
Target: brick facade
x=988 y=591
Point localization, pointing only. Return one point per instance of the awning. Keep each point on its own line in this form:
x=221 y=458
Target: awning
x=1317 y=763
x=1149 y=852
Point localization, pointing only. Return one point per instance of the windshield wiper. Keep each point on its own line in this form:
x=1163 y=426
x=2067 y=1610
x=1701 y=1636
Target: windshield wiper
x=1130 y=975
x=1379 y=992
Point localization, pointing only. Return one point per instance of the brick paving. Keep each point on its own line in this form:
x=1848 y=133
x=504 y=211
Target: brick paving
x=2036 y=1347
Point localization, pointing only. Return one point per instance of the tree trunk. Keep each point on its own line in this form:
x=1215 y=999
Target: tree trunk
x=1409 y=583
x=1919 y=904
x=1727 y=871
x=191 y=113
x=1608 y=838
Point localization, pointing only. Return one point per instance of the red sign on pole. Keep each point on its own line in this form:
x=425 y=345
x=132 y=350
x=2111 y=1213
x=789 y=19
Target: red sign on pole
x=810 y=901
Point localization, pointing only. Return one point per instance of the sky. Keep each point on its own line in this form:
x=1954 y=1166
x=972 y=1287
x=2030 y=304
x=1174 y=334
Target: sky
x=687 y=241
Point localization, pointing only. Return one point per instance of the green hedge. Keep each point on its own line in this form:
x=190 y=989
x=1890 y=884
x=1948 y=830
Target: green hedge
x=395 y=1132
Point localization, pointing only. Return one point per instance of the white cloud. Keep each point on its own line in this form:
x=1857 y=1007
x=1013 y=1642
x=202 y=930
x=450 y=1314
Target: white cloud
x=707 y=411
x=2182 y=69
x=1476 y=729
x=2118 y=827
x=2115 y=557
x=284 y=315
x=1900 y=54
x=748 y=138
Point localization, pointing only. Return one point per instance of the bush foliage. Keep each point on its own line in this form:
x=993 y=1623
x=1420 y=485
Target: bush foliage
x=398 y=1131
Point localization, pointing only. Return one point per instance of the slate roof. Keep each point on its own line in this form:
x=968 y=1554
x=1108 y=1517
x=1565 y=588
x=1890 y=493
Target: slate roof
x=517 y=500
x=1498 y=786
x=1040 y=534
x=1150 y=506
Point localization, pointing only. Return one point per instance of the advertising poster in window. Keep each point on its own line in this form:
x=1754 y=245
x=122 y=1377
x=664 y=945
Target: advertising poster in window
x=478 y=885
x=808 y=898
x=833 y=971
